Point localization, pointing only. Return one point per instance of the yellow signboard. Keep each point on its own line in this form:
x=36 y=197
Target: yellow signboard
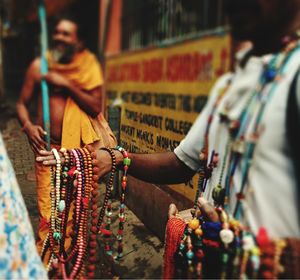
x=163 y=90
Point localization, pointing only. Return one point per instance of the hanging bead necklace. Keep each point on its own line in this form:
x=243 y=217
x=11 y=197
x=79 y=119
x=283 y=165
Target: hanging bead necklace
x=237 y=137
x=255 y=133
x=105 y=229
x=74 y=186
x=109 y=187
x=126 y=164
x=207 y=167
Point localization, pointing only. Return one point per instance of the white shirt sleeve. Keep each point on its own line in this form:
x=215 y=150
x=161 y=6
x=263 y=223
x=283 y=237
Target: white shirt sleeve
x=190 y=147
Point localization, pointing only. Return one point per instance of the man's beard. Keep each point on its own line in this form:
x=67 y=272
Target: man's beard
x=64 y=55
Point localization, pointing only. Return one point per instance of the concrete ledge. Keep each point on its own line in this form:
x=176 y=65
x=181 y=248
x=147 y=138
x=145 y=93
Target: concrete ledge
x=150 y=203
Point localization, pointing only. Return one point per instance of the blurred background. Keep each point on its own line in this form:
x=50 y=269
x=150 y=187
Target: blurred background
x=111 y=26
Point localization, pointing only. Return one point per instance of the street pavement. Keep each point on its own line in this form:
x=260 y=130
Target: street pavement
x=143 y=252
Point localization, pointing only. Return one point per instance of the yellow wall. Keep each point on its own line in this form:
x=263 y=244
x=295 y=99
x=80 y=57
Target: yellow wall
x=162 y=90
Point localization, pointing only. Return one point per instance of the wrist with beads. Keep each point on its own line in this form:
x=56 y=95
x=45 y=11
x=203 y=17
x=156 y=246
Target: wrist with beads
x=126 y=162
x=113 y=158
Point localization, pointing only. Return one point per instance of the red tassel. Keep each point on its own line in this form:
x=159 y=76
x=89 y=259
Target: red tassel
x=174 y=231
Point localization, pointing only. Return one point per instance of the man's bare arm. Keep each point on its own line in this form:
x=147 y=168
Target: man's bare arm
x=160 y=168
x=27 y=93
x=34 y=132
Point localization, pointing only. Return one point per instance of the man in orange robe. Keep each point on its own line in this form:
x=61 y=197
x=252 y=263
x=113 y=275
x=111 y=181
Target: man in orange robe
x=75 y=82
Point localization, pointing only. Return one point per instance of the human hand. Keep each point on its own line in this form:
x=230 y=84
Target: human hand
x=47 y=157
x=102 y=160
x=102 y=163
x=35 y=134
x=207 y=210
x=173 y=211
x=57 y=79
x=204 y=209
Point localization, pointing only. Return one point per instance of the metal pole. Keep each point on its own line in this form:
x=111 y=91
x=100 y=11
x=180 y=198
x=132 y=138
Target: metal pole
x=44 y=70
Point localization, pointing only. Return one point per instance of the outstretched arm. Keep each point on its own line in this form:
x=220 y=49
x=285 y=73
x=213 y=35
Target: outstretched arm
x=159 y=168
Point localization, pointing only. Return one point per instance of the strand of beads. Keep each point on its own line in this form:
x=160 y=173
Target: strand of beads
x=55 y=235
x=77 y=233
x=227 y=236
x=45 y=246
x=83 y=226
x=63 y=196
x=92 y=259
x=106 y=228
x=126 y=164
x=69 y=199
x=57 y=193
x=90 y=156
x=80 y=216
x=109 y=186
x=80 y=235
x=107 y=207
x=206 y=169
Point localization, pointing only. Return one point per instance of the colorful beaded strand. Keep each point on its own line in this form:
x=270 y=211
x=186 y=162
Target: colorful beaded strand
x=126 y=164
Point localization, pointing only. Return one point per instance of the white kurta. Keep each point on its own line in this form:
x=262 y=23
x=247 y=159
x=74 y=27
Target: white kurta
x=271 y=199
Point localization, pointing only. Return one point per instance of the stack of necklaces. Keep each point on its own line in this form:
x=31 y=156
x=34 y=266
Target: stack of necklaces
x=226 y=249
x=72 y=251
